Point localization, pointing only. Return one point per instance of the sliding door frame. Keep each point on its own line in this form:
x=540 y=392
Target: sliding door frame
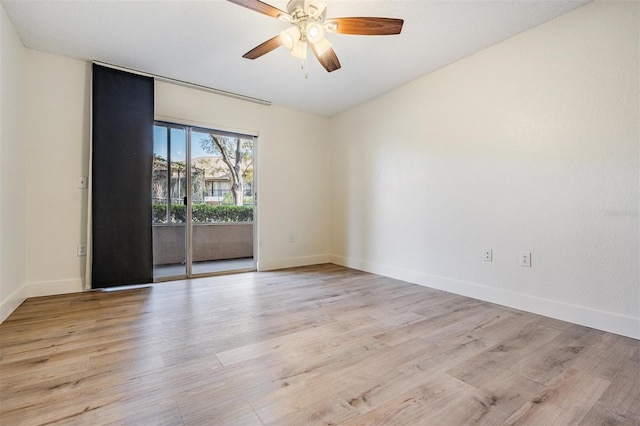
x=189 y=206
x=189 y=128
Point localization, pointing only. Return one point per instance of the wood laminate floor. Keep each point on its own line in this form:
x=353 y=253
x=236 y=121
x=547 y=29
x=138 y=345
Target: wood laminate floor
x=313 y=345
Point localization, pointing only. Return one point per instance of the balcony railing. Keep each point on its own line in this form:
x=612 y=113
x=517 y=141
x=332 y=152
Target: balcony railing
x=217 y=192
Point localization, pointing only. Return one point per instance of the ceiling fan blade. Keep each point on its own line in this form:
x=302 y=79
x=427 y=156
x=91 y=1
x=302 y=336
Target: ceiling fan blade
x=261 y=7
x=264 y=48
x=328 y=59
x=364 y=26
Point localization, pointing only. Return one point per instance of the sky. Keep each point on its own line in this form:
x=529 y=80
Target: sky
x=178 y=143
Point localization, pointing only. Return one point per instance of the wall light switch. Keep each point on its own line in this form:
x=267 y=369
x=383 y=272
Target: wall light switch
x=82 y=250
x=525 y=259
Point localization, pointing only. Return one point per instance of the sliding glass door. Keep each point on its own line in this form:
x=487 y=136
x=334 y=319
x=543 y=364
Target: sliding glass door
x=169 y=199
x=203 y=202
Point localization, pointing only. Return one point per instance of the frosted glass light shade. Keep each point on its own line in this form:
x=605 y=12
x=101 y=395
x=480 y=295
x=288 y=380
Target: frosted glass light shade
x=299 y=49
x=315 y=32
x=289 y=37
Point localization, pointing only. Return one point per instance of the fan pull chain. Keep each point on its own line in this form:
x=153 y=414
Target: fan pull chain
x=303 y=63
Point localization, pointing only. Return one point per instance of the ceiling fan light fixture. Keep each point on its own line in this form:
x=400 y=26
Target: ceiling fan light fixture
x=289 y=37
x=315 y=32
x=309 y=25
x=315 y=8
x=299 y=49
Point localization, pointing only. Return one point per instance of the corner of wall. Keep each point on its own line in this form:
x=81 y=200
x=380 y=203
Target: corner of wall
x=13 y=289
x=11 y=302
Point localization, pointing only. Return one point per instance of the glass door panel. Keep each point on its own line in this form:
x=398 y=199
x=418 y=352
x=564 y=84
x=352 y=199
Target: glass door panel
x=202 y=199
x=221 y=202
x=169 y=191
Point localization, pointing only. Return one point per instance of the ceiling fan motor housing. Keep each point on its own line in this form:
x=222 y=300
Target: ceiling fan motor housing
x=306 y=10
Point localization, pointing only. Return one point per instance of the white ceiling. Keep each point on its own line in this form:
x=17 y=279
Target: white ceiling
x=203 y=42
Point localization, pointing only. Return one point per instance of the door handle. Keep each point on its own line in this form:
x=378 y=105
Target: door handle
x=184 y=200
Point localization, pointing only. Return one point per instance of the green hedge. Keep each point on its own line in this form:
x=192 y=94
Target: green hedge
x=203 y=213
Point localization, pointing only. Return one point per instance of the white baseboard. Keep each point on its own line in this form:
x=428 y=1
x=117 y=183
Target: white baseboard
x=49 y=288
x=291 y=262
x=14 y=300
x=601 y=320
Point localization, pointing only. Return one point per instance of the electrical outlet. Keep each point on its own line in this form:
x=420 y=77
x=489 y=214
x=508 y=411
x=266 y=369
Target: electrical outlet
x=487 y=255
x=525 y=259
x=82 y=250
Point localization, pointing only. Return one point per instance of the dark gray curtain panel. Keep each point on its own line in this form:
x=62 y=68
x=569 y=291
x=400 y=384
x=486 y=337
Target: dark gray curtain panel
x=122 y=142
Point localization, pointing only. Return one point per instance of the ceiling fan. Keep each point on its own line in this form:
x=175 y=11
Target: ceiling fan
x=308 y=29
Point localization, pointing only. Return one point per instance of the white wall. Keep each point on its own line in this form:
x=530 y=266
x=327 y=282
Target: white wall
x=292 y=169
x=530 y=145
x=57 y=150
x=13 y=290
